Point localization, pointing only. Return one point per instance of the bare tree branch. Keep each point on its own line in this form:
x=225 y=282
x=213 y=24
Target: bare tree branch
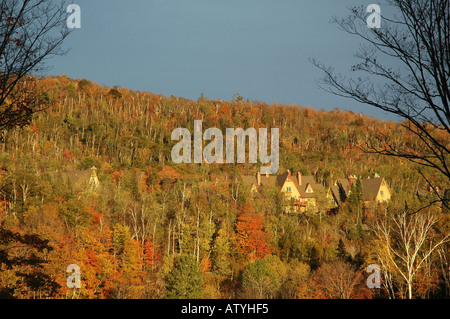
x=406 y=64
x=31 y=31
x=405 y=243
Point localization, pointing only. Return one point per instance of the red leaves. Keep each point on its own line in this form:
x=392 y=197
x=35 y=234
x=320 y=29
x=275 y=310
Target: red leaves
x=116 y=176
x=68 y=154
x=168 y=173
x=205 y=265
x=151 y=254
x=251 y=236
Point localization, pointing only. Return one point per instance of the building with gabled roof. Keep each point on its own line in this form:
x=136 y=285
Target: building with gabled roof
x=93 y=179
x=79 y=179
x=375 y=190
x=300 y=191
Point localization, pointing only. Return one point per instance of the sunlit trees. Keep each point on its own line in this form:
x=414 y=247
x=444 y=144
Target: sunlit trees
x=22 y=261
x=184 y=281
x=221 y=253
x=151 y=255
x=259 y=280
x=405 y=244
x=337 y=280
x=129 y=234
x=251 y=239
x=31 y=31
x=404 y=70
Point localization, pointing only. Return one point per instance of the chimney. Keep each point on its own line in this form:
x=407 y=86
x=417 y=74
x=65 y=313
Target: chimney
x=299 y=178
x=258 y=178
x=351 y=179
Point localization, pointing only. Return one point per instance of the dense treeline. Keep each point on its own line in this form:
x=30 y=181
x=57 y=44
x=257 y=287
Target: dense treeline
x=154 y=229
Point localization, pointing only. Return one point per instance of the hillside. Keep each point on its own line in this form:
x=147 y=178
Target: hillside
x=131 y=231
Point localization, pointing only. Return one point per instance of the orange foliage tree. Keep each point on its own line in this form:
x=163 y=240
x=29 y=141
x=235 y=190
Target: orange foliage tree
x=251 y=238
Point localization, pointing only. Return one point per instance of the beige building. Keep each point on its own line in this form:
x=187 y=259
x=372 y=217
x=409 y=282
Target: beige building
x=79 y=179
x=300 y=191
x=375 y=190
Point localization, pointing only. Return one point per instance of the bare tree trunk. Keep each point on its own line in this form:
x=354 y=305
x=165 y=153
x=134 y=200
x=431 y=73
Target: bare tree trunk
x=406 y=243
x=168 y=239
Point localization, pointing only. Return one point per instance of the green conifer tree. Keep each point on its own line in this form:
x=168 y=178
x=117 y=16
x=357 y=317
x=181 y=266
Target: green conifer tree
x=184 y=281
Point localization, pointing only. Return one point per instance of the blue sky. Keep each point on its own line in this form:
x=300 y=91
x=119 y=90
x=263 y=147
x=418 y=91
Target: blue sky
x=257 y=48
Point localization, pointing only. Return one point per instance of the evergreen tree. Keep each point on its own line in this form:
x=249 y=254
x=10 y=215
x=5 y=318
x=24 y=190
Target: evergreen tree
x=184 y=281
x=313 y=258
x=340 y=251
x=356 y=193
x=221 y=254
x=356 y=198
x=446 y=202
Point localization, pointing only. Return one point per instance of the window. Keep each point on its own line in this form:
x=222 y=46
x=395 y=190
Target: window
x=382 y=193
x=309 y=190
x=288 y=189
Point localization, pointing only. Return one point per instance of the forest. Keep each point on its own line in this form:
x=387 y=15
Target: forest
x=150 y=228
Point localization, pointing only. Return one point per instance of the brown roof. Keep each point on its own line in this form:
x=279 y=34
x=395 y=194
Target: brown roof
x=371 y=187
x=248 y=180
x=344 y=184
x=309 y=180
x=340 y=190
x=267 y=181
x=337 y=194
x=278 y=181
x=272 y=180
x=77 y=177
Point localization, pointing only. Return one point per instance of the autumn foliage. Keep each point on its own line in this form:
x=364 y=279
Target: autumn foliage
x=130 y=233
x=251 y=238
